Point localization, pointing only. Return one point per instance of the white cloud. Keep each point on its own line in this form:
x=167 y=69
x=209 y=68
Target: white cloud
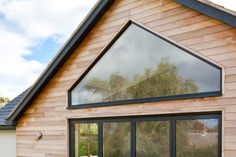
x=27 y=23
x=229 y=4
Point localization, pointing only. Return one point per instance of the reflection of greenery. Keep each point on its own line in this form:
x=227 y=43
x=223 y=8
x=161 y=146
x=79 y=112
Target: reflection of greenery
x=4 y=101
x=87 y=140
x=194 y=138
x=116 y=139
x=190 y=143
x=206 y=151
x=152 y=139
x=162 y=81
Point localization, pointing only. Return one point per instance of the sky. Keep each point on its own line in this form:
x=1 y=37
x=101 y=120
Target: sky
x=229 y=4
x=32 y=32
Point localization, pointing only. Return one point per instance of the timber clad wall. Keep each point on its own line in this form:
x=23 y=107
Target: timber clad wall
x=208 y=37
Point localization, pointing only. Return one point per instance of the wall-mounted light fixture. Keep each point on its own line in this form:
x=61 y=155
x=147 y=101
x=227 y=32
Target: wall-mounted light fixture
x=39 y=135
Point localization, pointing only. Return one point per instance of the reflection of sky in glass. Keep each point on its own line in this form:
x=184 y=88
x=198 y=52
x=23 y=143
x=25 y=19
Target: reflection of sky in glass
x=209 y=123
x=137 y=50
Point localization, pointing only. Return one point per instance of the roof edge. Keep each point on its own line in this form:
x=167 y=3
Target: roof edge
x=211 y=11
x=7 y=127
x=218 y=6
x=84 y=28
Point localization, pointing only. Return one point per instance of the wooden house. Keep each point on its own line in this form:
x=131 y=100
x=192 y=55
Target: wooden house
x=138 y=78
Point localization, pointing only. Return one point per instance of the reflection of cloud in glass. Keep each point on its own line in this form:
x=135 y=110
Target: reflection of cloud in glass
x=137 y=50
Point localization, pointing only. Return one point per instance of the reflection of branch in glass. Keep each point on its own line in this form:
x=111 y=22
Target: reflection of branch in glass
x=116 y=139
x=164 y=80
x=152 y=139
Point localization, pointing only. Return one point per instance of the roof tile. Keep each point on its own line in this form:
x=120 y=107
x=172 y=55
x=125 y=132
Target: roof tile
x=6 y=110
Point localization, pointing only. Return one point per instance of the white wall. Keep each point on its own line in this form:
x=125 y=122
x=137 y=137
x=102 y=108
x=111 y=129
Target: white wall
x=7 y=143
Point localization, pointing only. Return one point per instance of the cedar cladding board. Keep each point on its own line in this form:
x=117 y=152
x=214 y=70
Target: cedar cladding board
x=206 y=36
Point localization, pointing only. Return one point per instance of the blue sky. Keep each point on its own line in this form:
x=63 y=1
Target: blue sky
x=31 y=33
x=44 y=51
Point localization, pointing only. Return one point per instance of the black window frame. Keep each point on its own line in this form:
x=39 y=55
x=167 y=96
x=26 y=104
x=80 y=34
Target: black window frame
x=141 y=100
x=133 y=119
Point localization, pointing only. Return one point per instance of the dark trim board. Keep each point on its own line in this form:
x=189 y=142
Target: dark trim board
x=8 y=127
x=133 y=119
x=61 y=57
x=145 y=100
x=141 y=100
x=210 y=11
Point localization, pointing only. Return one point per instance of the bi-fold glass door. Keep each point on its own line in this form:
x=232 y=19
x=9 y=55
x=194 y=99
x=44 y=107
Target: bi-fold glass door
x=150 y=136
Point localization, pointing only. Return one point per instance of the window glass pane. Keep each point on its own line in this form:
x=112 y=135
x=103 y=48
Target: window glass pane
x=153 y=139
x=116 y=139
x=197 y=138
x=142 y=65
x=86 y=140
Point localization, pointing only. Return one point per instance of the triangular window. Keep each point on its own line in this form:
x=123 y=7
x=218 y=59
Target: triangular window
x=139 y=66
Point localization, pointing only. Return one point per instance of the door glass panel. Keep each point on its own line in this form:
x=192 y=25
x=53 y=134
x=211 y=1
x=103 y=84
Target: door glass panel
x=116 y=139
x=197 y=138
x=86 y=140
x=152 y=139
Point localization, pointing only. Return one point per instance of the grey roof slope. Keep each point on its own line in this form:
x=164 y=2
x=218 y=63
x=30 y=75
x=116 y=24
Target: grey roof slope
x=7 y=109
x=81 y=33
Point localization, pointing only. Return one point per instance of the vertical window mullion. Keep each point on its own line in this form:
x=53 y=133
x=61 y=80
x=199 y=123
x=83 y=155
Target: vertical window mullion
x=133 y=139
x=100 y=139
x=219 y=136
x=173 y=137
x=71 y=136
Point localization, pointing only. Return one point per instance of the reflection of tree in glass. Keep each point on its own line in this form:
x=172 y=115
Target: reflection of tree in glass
x=164 y=80
x=116 y=139
x=195 y=139
x=152 y=139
